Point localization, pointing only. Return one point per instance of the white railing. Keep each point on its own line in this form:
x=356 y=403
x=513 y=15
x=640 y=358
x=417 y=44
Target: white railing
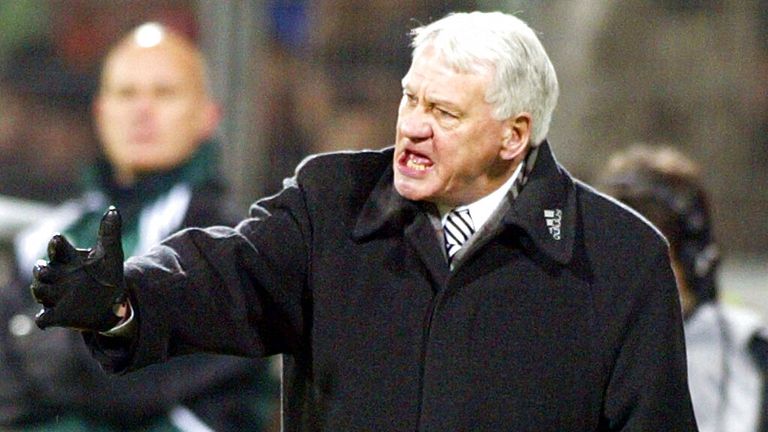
x=16 y=213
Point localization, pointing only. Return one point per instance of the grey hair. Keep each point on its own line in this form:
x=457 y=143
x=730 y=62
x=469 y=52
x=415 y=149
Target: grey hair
x=524 y=78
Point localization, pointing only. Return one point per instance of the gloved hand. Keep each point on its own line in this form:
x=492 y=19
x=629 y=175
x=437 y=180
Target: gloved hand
x=82 y=288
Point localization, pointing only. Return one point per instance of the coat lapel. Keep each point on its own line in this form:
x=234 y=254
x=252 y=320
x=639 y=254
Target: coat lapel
x=546 y=208
x=386 y=211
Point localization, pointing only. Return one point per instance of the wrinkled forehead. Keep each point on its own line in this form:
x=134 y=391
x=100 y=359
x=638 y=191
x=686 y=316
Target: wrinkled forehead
x=437 y=81
x=432 y=71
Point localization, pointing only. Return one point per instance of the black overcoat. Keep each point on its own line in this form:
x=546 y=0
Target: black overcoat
x=562 y=316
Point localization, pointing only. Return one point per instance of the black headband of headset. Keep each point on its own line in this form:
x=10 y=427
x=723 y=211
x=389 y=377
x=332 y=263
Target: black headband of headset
x=697 y=252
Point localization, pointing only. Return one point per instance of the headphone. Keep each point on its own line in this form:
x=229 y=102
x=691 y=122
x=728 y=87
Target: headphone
x=696 y=250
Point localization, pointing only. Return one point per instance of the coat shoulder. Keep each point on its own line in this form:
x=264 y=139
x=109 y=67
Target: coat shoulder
x=328 y=164
x=611 y=223
x=342 y=171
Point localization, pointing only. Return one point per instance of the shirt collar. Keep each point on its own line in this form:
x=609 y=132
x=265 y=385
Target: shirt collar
x=481 y=210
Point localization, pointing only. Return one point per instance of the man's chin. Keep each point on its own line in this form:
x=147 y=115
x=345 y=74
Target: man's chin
x=411 y=190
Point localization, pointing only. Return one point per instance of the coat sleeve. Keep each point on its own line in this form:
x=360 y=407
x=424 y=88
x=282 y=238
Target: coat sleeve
x=238 y=291
x=129 y=401
x=648 y=384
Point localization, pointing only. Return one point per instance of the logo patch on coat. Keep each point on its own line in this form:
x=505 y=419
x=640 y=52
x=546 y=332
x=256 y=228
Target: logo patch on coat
x=554 y=219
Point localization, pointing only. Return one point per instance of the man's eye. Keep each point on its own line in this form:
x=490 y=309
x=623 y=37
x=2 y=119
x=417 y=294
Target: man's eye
x=165 y=92
x=446 y=114
x=124 y=93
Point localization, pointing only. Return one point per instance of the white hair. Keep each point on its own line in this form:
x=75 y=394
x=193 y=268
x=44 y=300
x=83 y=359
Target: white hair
x=524 y=78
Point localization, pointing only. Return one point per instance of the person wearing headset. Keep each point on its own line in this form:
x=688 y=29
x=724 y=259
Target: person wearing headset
x=726 y=344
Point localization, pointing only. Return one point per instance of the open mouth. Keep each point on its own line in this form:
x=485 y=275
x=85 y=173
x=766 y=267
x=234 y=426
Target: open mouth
x=414 y=162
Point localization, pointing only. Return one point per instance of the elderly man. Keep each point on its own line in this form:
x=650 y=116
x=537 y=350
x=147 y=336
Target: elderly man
x=461 y=280
x=155 y=118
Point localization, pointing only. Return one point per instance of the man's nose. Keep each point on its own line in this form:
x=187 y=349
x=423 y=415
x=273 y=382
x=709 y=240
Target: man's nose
x=144 y=101
x=143 y=105
x=415 y=125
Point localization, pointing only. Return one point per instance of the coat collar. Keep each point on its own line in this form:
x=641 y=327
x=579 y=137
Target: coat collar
x=384 y=208
x=545 y=209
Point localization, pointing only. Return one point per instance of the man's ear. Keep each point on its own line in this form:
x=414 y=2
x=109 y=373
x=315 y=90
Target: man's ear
x=517 y=136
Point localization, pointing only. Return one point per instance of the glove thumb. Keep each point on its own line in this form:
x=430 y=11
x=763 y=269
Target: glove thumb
x=109 y=246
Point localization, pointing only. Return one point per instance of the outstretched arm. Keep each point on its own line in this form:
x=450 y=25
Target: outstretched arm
x=228 y=290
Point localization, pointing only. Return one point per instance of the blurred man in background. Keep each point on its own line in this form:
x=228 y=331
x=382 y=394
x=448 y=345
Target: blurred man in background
x=155 y=119
x=726 y=352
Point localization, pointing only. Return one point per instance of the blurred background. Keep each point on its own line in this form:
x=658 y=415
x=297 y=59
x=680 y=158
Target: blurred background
x=299 y=77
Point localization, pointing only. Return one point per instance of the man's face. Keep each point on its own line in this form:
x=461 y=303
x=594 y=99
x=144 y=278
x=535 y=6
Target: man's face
x=449 y=147
x=152 y=111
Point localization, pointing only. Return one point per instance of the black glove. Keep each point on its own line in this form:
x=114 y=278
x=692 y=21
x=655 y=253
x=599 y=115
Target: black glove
x=81 y=288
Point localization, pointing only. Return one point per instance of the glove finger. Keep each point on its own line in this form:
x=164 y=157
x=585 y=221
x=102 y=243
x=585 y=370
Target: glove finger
x=61 y=251
x=44 y=318
x=46 y=294
x=42 y=272
x=50 y=317
x=109 y=243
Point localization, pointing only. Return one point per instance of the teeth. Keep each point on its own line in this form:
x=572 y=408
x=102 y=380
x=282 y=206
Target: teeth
x=414 y=165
